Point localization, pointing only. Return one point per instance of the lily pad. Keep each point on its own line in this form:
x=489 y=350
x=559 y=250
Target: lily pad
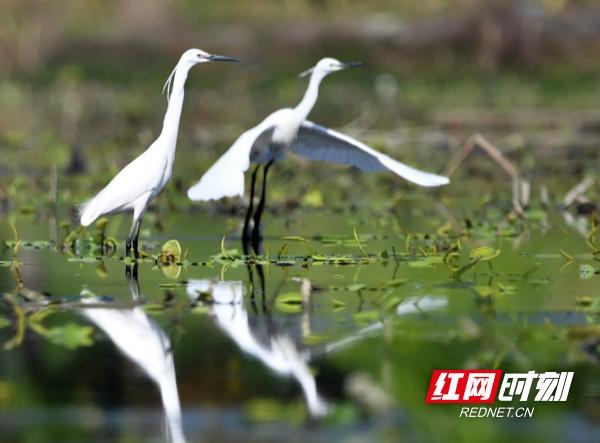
x=289 y=302
x=426 y=262
x=484 y=253
x=170 y=252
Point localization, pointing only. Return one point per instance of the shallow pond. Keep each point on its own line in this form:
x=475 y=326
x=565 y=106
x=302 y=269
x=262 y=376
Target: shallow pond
x=332 y=333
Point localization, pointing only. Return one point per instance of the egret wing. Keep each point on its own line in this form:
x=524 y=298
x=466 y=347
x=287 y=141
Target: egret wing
x=225 y=178
x=139 y=178
x=316 y=142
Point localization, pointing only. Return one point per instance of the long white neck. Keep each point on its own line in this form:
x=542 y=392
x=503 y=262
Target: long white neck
x=171 y=123
x=310 y=96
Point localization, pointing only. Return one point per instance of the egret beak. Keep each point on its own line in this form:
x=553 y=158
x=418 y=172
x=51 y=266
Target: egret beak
x=307 y=72
x=221 y=58
x=353 y=65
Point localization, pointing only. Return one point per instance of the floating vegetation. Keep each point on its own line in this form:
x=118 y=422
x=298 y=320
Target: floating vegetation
x=289 y=302
x=586 y=271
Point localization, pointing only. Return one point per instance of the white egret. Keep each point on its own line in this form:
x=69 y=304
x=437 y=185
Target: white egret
x=138 y=183
x=289 y=130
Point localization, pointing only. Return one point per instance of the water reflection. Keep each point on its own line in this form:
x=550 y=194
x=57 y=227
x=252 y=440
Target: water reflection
x=258 y=334
x=409 y=306
x=142 y=341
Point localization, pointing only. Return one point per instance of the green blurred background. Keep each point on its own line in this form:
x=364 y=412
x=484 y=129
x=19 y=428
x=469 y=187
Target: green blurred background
x=80 y=86
x=81 y=76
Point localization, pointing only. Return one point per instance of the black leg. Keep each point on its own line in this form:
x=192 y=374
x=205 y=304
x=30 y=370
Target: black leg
x=135 y=239
x=129 y=241
x=132 y=240
x=256 y=237
x=246 y=229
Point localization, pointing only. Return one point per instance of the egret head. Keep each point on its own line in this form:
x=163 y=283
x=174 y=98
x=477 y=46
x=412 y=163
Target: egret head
x=328 y=65
x=190 y=58
x=194 y=56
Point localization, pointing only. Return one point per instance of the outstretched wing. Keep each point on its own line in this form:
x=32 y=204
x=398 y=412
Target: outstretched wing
x=323 y=144
x=225 y=178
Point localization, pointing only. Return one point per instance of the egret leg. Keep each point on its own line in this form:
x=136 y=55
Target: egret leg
x=256 y=240
x=136 y=251
x=246 y=229
x=132 y=239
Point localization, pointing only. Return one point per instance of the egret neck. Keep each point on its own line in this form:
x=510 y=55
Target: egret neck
x=171 y=123
x=310 y=97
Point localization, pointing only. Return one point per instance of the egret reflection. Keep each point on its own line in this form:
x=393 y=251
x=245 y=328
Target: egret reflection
x=143 y=342
x=409 y=306
x=258 y=335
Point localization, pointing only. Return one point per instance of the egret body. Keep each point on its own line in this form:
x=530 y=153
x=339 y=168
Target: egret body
x=138 y=183
x=289 y=130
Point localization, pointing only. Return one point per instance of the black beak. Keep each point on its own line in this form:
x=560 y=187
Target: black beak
x=221 y=58
x=354 y=65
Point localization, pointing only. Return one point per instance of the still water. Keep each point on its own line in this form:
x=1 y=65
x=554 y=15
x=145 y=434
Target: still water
x=332 y=336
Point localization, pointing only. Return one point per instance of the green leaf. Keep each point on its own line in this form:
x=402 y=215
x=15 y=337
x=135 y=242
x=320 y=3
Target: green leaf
x=171 y=252
x=396 y=282
x=313 y=199
x=83 y=259
x=535 y=214
x=366 y=316
x=289 y=302
x=507 y=289
x=358 y=242
x=484 y=253
x=171 y=285
x=315 y=339
x=295 y=238
x=484 y=291
x=70 y=336
x=336 y=303
x=356 y=287
x=426 y=262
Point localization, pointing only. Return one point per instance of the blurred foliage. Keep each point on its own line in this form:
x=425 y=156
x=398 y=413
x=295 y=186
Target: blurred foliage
x=80 y=96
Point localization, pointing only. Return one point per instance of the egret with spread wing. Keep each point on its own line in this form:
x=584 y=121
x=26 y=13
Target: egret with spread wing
x=288 y=129
x=138 y=183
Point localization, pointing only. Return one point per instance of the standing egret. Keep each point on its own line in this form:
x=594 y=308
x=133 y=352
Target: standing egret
x=138 y=183
x=288 y=129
